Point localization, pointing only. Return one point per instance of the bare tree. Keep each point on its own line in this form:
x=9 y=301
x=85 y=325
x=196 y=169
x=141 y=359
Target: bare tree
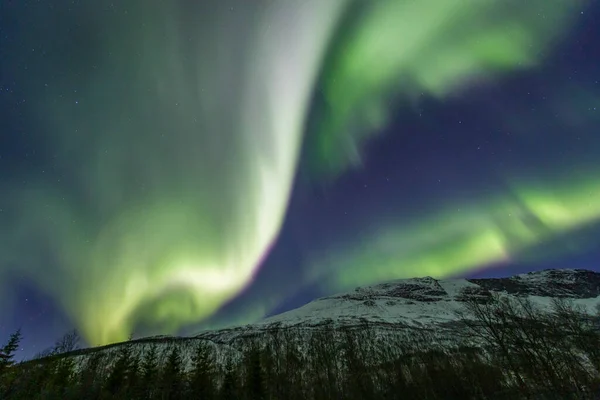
x=67 y=343
x=487 y=322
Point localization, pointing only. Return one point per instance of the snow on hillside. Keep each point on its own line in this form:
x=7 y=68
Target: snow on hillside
x=420 y=304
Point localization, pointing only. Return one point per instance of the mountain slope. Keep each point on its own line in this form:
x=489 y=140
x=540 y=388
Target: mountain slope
x=423 y=303
x=397 y=310
x=404 y=338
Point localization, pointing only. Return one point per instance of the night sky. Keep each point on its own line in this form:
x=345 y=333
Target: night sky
x=167 y=167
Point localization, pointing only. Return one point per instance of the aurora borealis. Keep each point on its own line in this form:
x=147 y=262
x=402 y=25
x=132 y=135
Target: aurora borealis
x=162 y=146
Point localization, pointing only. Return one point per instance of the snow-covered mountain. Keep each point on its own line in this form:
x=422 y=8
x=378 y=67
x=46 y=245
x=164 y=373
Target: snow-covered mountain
x=423 y=302
x=391 y=308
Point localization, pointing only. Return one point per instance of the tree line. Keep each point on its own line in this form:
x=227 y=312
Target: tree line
x=503 y=348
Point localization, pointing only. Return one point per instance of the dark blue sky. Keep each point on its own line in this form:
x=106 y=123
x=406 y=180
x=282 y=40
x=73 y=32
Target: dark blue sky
x=459 y=149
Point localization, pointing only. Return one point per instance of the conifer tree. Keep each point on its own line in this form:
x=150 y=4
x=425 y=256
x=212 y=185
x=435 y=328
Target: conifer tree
x=7 y=359
x=171 y=379
x=119 y=372
x=63 y=374
x=254 y=374
x=202 y=373
x=228 y=389
x=133 y=377
x=7 y=353
x=149 y=374
x=91 y=377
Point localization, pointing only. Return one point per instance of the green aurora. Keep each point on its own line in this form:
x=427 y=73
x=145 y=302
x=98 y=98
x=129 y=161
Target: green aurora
x=180 y=147
x=467 y=236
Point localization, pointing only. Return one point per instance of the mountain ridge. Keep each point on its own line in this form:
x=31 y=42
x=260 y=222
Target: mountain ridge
x=400 y=308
